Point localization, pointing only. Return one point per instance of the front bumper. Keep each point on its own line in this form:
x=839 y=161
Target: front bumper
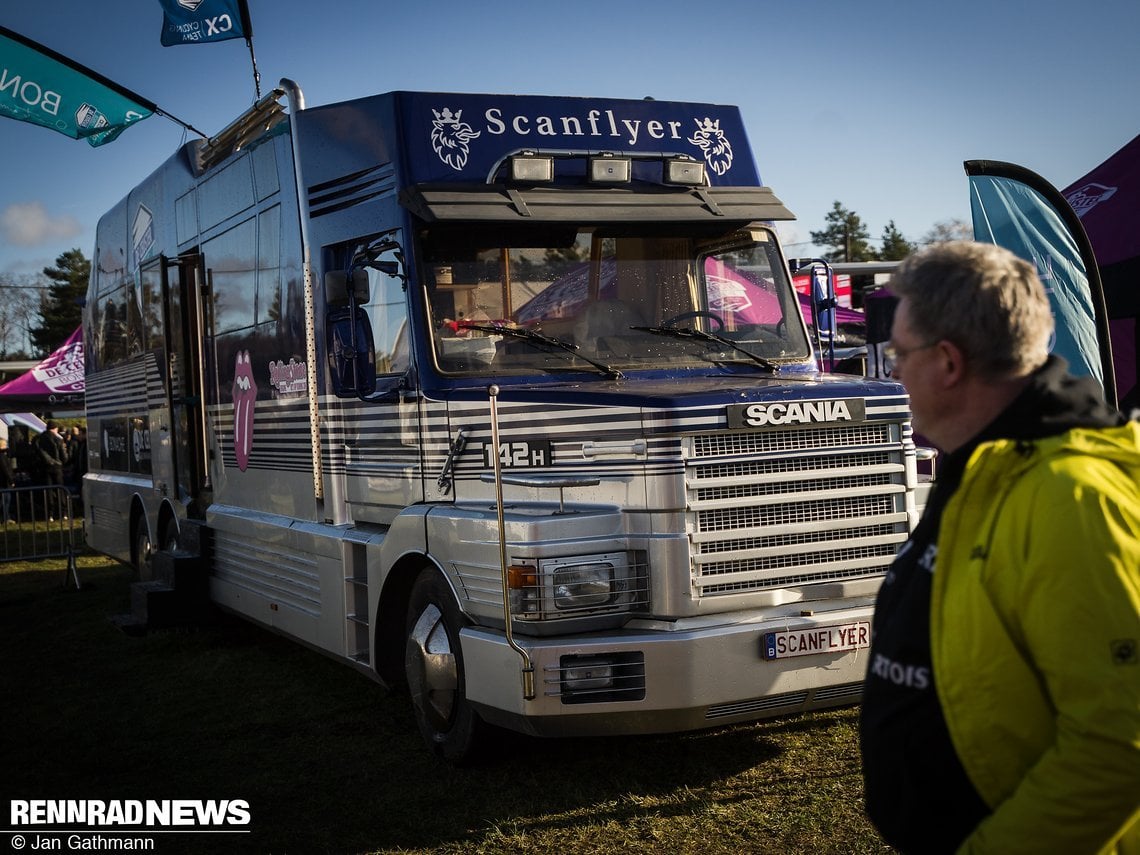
x=666 y=676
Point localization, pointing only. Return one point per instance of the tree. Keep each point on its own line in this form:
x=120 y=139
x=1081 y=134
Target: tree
x=895 y=247
x=846 y=237
x=61 y=309
x=21 y=297
x=947 y=230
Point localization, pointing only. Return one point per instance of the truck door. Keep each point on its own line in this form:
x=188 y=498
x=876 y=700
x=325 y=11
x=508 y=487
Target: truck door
x=182 y=279
x=378 y=405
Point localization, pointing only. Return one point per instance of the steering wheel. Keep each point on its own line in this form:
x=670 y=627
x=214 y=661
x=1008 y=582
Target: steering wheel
x=684 y=316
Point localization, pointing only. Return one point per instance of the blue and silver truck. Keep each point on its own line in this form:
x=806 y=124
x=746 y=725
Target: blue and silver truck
x=507 y=400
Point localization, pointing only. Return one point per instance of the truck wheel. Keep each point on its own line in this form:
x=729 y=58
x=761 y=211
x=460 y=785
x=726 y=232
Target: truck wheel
x=169 y=536
x=143 y=552
x=433 y=665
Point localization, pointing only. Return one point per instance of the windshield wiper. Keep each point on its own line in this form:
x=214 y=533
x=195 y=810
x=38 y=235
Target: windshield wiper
x=538 y=338
x=700 y=335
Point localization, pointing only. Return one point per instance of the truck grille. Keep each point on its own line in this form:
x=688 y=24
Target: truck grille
x=772 y=509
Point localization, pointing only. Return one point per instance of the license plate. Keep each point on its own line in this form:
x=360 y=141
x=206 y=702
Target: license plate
x=817 y=639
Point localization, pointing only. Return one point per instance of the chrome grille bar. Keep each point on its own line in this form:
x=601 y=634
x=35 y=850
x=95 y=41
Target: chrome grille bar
x=796 y=507
x=767 y=442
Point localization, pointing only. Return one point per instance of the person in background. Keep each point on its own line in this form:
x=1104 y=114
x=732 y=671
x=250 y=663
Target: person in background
x=26 y=457
x=7 y=481
x=53 y=457
x=1001 y=708
x=79 y=456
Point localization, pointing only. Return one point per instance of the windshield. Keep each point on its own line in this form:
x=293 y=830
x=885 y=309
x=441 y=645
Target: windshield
x=607 y=301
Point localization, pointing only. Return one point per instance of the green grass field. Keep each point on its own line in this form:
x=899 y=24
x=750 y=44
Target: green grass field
x=331 y=762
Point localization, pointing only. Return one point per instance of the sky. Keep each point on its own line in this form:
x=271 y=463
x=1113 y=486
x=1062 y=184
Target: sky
x=874 y=104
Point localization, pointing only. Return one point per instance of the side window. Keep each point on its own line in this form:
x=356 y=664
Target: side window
x=118 y=323
x=113 y=327
x=269 y=265
x=150 y=298
x=387 y=310
x=377 y=329
x=233 y=265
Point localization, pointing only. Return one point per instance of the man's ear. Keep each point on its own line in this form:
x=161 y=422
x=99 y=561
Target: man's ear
x=951 y=362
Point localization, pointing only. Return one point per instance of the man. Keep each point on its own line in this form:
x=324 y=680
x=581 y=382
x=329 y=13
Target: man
x=1001 y=710
x=53 y=457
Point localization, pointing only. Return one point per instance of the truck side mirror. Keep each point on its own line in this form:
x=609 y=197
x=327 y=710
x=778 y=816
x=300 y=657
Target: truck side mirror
x=337 y=286
x=388 y=268
x=351 y=353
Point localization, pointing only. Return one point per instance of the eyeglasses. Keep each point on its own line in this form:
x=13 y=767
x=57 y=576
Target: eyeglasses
x=895 y=353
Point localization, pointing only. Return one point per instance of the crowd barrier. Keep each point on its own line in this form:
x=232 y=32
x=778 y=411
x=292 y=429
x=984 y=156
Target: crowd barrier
x=40 y=522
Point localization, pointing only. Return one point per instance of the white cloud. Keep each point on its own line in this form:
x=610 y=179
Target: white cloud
x=29 y=224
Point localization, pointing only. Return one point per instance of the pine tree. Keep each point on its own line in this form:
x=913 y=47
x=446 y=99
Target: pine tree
x=895 y=247
x=946 y=230
x=846 y=237
x=61 y=309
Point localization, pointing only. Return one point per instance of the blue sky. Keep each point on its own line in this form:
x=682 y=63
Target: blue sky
x=875 y=104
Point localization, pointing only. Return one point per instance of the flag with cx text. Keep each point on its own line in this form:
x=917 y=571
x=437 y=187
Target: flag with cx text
x=194 y=22
x=40 y=86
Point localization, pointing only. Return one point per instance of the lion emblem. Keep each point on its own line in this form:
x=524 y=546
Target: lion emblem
x=711 y=140
x=450 y=136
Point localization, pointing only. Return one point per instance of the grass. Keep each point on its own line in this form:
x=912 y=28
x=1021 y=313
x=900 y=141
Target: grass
x=331 y=762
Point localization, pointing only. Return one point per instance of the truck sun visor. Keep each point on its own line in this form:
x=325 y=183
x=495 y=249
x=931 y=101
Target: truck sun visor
x=434 y=203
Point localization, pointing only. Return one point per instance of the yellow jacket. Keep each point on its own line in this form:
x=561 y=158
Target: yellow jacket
x=1035 y=630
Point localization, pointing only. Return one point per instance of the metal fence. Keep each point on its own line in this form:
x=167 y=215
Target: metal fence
x=40 y=522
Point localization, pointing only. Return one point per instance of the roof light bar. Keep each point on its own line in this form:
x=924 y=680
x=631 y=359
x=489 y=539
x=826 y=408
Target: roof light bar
x=684 y=170
x=608 y=169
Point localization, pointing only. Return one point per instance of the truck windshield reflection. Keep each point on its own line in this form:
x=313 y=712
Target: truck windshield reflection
x=589 y=299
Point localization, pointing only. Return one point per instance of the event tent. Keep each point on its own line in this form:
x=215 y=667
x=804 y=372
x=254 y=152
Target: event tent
x=1107 y=200
x=55 y=383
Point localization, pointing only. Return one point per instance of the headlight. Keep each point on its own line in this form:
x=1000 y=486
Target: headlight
x=578 y=586
x=583 y=586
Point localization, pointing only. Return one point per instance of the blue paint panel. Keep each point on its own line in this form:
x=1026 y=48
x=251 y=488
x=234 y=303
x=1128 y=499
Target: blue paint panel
x=461 y=137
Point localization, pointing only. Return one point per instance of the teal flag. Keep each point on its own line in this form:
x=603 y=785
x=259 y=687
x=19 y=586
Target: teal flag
x=44 y=88
x=1010 y=213
x=196 y=22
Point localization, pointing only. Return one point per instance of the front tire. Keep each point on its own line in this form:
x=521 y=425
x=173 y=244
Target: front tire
x=433 y=666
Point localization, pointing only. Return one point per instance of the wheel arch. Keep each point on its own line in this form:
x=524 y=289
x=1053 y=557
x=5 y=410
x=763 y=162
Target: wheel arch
x=156 y=525
x=167 y=518
x=388 y=636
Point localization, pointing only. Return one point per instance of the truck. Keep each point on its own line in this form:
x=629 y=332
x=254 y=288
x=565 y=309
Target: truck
x=504 y=400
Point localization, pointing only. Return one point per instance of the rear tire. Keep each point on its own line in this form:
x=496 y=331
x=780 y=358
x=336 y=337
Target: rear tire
x=169 y=536
x=433 y=666
x=143 y=552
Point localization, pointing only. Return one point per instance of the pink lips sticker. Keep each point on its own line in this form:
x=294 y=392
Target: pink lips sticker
x=245 y=399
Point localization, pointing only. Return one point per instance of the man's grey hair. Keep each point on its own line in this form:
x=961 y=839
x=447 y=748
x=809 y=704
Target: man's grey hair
x=984 y=299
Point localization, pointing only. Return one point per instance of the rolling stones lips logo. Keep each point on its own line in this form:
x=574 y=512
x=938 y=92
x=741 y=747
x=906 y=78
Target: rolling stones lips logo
x=245 y=400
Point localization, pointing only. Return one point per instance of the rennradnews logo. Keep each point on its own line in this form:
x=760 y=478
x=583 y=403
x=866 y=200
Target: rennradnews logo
x=186 y=814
